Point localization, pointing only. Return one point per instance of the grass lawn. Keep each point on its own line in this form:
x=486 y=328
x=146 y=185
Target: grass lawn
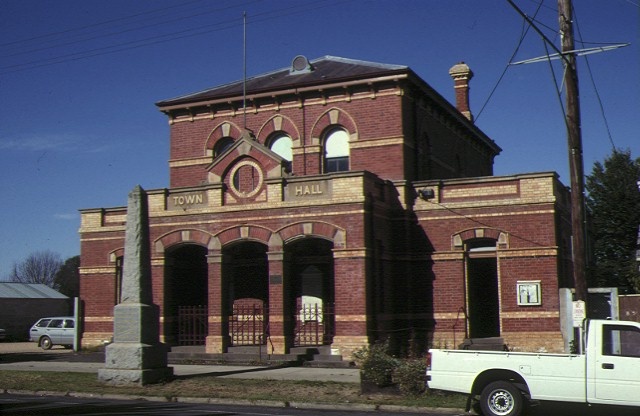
x=205 y=386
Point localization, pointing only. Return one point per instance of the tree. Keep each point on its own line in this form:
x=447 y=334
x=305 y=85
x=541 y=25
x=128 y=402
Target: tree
x=38 y=267
x=67 y=279
x=613 y=203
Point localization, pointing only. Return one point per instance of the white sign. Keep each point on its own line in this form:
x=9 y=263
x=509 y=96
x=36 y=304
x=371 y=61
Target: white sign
x=579 y=313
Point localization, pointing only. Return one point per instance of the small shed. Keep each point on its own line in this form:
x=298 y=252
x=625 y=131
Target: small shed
x=22 y=304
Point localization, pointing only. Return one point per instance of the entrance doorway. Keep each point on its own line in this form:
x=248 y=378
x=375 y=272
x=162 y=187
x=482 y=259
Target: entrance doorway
x=245 y=272
x=185 y=291
x=310 y=263
x=482 y=290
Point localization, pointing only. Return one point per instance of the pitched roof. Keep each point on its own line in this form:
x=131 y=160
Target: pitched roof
x=10 y=290
x=323 y=70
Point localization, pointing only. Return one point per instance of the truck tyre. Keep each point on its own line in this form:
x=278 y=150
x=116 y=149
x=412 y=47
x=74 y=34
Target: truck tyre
x=501 y=398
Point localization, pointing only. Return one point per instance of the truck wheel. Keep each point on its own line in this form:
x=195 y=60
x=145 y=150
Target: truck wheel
x=501 y=398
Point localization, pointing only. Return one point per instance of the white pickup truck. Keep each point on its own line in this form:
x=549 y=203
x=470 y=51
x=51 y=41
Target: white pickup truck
x=504 y=383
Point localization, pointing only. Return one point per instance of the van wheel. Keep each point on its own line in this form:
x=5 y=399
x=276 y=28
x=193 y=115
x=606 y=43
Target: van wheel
x=501 y=398
x=45 y=343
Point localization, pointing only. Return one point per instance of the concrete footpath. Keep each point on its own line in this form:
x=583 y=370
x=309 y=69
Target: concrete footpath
x=25 y=356
x=28 y=357
x=344 y=375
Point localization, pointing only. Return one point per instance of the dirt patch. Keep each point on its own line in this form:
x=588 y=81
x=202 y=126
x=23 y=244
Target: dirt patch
x=12 y=352
x=30 y=347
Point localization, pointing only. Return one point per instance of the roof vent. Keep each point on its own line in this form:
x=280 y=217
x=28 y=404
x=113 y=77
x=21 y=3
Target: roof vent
x=300 y=65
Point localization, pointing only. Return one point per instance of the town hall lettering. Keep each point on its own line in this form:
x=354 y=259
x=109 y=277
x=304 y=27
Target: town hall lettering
x=188 y=199
x=304 y=190
x=308 y=190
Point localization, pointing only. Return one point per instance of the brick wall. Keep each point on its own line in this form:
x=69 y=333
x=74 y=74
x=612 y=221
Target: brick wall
x=399 y=261
x=521 y=214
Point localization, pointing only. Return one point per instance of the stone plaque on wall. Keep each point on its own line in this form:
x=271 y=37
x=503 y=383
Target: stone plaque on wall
x=307 y=190
x=186 y=200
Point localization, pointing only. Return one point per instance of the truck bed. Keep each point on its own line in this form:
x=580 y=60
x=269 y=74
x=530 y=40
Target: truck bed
x=549 y=376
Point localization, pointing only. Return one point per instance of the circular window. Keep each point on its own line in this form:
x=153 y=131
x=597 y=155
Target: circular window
x=246 y=179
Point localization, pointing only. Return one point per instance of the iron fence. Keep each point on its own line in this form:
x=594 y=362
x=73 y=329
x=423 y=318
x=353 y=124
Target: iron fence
x=247 y=325
x=192 y=324
x=314 y=325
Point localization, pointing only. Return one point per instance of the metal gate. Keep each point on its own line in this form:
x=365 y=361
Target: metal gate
x=247 y=325
x=314 y=325
x=192 y=325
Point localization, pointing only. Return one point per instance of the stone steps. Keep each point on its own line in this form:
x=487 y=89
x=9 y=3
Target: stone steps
x=254 y=355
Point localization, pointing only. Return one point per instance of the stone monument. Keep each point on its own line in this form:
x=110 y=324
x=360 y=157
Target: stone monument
x=136 y=355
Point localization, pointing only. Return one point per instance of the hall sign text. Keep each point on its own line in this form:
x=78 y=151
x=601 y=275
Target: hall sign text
x=302 y=190
x=308 y=189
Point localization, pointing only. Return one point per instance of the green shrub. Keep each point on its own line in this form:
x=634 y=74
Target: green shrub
x=409 y=376
x=376 y=364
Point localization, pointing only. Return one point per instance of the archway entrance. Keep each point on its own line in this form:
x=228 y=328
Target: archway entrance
x=311 y=301
x=245 y=271
x=482 y=285
x=185 y=294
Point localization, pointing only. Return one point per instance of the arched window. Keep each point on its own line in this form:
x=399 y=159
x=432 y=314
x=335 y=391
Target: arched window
x=282 y=144
x=222 y=145
x=336 y=156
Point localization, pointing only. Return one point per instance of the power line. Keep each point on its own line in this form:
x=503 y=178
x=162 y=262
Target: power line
x=525 y=30
x=50 y=34
x=168 y=37
x=595 y=88
x=459 y=214
x=121 y=32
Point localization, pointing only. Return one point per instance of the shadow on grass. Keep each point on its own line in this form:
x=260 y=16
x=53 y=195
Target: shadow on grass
x=238 y=371
x=86 y=357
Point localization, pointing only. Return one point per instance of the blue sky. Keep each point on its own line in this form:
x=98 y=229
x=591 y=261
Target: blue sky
x=79 y=79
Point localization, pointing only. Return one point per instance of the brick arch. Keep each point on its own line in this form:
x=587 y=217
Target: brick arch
x=248 y=232
x=183 y=236
x=278 y=123
x=224 y=129
x=501 y=237
x=333 y=117
x=317 y=229
x=114 y=254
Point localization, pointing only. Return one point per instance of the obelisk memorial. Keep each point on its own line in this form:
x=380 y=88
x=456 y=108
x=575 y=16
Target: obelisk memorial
x=136 y=355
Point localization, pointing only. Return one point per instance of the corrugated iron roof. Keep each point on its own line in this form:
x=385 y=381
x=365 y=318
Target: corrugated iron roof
x=323 y=70
x=10 y=290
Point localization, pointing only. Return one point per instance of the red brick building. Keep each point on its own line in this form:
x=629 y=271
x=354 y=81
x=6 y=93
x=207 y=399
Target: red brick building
x=335 y=203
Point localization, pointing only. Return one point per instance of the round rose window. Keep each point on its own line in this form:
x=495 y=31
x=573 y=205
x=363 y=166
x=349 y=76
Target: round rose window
x=246 y=179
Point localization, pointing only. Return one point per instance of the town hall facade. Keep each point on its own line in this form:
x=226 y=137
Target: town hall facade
x=333 y=204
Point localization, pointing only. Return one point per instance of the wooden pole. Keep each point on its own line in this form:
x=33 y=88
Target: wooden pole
x=574 y=138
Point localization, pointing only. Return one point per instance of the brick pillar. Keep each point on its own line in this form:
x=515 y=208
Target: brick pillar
x=218 y=338
x=276 y=303
x=157 y=284
x=350 y=301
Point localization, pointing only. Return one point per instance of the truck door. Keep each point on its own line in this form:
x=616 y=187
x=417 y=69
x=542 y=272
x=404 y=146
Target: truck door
x=616 y=373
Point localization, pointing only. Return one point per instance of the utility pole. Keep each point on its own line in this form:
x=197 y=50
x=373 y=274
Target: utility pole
x=574 y=138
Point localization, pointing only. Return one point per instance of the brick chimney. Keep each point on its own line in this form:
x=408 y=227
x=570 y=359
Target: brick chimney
x=461 y=75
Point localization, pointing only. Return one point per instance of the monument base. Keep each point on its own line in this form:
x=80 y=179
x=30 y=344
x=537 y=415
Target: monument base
x=135 y=363
x=119 y=377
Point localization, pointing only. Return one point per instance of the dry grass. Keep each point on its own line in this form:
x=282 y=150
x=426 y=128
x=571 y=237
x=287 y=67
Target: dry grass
x=205 y=386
